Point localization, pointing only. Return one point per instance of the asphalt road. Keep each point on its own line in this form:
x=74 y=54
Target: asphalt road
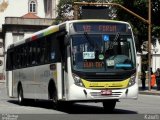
x=144 y=105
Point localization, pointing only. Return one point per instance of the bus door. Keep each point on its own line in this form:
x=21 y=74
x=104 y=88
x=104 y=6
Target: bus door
x=64 y=49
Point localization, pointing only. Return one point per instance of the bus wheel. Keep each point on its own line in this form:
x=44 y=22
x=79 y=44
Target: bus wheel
x=55 y=99
x=52 y=91
x=20 y=95
x=109 y=105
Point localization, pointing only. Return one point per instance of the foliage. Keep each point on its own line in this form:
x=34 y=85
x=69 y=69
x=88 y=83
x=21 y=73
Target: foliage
x=3 y=6
x=140 y=7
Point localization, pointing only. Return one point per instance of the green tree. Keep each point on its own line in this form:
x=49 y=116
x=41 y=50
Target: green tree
x=140 y=28
x=65 y=12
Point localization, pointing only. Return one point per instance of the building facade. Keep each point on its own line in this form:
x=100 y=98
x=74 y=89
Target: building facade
x=21 y=18
x=155 y=57
x=20 y=13
x=18 y=8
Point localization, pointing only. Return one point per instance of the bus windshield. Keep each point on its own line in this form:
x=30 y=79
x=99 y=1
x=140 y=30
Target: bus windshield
x=102 y=52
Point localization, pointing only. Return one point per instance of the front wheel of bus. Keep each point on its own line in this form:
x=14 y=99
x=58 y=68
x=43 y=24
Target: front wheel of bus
x=20 y=96
x=55 y=99
x=109 y=105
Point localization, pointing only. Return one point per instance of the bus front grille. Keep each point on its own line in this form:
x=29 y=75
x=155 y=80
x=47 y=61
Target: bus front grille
x=99 y=95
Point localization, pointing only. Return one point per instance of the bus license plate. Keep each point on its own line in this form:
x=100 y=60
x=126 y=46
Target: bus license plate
x=106 y=92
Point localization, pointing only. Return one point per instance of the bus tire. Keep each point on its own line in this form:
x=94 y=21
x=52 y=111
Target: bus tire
x=53 y=94
x=55 y=98
x=20 y=95
x=109 y=105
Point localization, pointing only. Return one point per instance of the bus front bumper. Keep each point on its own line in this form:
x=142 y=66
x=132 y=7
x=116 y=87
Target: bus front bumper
x=77 y=93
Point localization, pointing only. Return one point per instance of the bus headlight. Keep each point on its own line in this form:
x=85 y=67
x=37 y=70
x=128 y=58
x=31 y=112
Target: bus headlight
x=132 y=80
x=77 y=80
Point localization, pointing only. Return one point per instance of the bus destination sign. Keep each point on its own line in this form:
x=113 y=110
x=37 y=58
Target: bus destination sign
x=101 y=27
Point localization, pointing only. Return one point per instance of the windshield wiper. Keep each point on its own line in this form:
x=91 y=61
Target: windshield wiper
x=114 y=41
x=91 y=42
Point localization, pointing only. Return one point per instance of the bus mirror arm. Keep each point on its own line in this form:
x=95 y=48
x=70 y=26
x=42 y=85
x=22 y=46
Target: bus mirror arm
x=62 y=33
x=67 y=40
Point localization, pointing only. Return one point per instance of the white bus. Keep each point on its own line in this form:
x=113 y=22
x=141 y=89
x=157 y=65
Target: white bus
x=76 y=61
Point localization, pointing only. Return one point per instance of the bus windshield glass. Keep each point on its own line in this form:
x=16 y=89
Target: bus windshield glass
x=102 y=52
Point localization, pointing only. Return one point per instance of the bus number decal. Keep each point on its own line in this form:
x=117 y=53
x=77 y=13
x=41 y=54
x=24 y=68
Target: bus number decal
x=88 y=55
x=93 y=64
x=110 y=63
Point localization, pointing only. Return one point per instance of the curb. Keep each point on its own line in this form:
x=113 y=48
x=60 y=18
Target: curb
x=150 y=93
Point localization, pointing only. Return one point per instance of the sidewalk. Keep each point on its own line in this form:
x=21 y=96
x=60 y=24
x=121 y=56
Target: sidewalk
x=153 y=91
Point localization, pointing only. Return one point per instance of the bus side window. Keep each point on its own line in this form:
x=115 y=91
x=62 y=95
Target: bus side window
x=46 y=50
x=19 y=57
x=38 y=51
x=41 y=51
x=29 y=55
x=38 y=54
x=9 y=62
x=34 y=56
x=16 y=58
x=60 y=48
x=25 y=55
x=42 y=56
x=54 y=52
x=22 y=52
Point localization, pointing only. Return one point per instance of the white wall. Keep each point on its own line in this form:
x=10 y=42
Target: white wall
x=156 y=56
x=55 y=8
x=155 y=61
x=8 y=39
x=18 y=8
x=40 y=10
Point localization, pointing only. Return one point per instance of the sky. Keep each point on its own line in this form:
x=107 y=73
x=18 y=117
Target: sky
x=2 y=0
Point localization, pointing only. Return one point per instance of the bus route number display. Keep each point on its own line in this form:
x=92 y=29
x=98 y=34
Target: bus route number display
x=100 y=27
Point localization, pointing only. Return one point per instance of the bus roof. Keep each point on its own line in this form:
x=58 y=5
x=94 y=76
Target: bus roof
x=56 y=28
x=36 y=35
x=97 y=20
